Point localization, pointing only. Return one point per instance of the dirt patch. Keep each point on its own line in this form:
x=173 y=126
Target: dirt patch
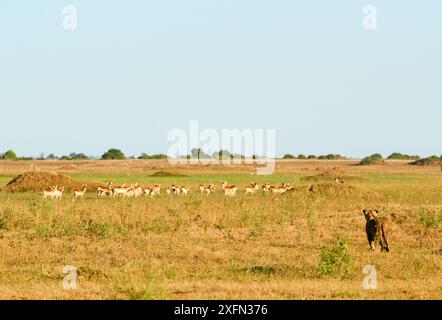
x=168 y=174
x=331 y=188
x=333 y=175
x=36 y=181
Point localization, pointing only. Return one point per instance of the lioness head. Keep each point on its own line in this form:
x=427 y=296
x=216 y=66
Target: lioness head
x=370 y=214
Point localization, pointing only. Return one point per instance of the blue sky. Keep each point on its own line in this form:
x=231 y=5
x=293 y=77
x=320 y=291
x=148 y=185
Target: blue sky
x=133 y=70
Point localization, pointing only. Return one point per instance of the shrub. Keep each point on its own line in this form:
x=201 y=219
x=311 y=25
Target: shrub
x=9 y=155
x=301 y=156
x=331 y=157
x=429 y=161
x=335 y=260
x=113 y=154
x=289 y=156
x=400 y=156
x=373 y=159
x=312 y=157
x=429 y=220
x=79 y=156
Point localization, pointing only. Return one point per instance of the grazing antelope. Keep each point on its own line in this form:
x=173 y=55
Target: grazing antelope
x=80 y=193
x=207 y=190
x=228 y=190
x=252 y=188
x=281 y=189
x=121 y=191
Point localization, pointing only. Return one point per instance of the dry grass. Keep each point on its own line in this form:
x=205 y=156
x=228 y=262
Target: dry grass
x=198 y=247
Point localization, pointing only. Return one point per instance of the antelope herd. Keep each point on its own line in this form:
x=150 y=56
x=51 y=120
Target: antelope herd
x=134 y=190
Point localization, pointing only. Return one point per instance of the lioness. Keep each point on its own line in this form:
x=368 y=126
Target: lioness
x=377 y=228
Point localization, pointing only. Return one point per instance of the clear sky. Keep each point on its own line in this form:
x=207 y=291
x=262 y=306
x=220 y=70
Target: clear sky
x=133 y=70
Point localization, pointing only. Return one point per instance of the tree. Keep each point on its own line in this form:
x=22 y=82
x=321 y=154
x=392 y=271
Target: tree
x=79 y=156
x=113 y=154
x=288 y=156
x=198 y=153
x=222 y=155
x=9 y=155
x=301 y=156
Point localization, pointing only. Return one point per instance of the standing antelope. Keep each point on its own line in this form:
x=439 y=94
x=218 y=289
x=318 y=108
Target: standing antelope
x=80 y=193
x=156 y=190
x=228 y=190
x=49 y=192
x=105 y=191
x=184 y=190
x=58 y=193
x=252 y=188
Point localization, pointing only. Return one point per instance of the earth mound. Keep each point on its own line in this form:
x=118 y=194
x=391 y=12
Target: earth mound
x=332 y=188
x=167 y=174
x=36 y=181
x=333 y=175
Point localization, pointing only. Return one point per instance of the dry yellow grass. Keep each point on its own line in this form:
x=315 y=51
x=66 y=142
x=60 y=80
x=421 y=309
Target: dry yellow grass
x=198 y=247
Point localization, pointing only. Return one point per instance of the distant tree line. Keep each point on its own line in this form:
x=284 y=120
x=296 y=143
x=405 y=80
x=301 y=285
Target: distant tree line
x=313 y=157
x=198 y=153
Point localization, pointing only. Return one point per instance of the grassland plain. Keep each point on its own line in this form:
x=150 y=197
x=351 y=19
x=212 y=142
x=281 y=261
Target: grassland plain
x=302 y=245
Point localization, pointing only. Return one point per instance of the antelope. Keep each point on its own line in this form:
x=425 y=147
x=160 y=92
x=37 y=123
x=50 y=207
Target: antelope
x=148 y=191
x=58 y=193
x=134 y=191
x=266 y=187
x=252 y=188
x=156 y=190
x=49 y=192
x=207 y=190
x=122 y=190
x=80 y=193
x=281 y=189
x=184 y=190
x=106 y=191
x=228 y=190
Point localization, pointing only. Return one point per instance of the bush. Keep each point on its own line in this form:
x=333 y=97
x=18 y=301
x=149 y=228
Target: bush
x=9 y=155
x=335 y=260
x=331 y=157
x=145 y=156
x=79 y=156
x=429 y=220
x=301 y=156
x=430 y=161
x=113 y=154
x=312 y=157
x=289 y=156
x=400 y=156
x=373 y=159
